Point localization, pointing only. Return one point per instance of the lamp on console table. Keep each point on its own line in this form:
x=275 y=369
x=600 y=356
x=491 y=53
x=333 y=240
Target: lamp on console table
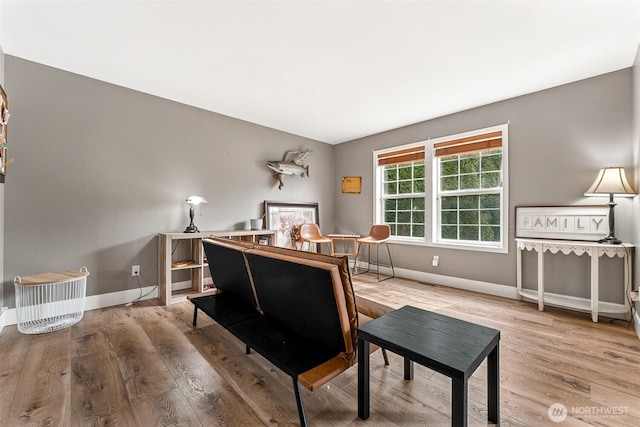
x=193 y=201
x=611 y=181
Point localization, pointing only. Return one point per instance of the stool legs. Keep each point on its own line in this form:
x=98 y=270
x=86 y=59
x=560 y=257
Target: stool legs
x=355 y=264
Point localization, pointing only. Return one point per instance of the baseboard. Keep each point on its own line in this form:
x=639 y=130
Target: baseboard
x=94 y=302
x=459 y=283
x=3 y=311
x=453 y=282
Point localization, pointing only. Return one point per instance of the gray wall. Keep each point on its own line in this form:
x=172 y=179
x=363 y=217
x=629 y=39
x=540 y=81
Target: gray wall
x=2 y=201
x=636 y=157
x=558 y=140
x=100 y=170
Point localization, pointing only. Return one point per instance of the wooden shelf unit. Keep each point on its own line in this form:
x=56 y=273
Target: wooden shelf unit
x=198 y=282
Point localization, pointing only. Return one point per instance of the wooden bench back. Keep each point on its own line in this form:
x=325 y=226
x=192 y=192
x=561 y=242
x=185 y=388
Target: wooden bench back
x=309 y=292
x=229 y=270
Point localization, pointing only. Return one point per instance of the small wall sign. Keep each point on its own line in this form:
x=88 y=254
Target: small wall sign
x=588 y=223
x=352 y=184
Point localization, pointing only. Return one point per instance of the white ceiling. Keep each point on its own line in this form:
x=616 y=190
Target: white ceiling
x=327 y=70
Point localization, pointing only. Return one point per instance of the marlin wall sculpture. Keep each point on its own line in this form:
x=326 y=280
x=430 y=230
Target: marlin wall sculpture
x=291 y=164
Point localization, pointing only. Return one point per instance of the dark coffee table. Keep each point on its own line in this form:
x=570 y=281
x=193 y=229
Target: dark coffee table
x=447 y=345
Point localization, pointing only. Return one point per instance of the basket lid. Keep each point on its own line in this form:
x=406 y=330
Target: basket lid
x=44 y=278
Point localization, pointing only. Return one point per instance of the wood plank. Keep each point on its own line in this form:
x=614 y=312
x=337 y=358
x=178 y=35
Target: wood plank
x=212 y=400
x=141 y=367
x=14 y=348
x=167 y=409
x=99 y=396
x=43 y=393
x=207 y=379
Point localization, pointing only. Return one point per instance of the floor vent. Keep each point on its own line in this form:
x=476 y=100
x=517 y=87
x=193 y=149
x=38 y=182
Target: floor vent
x=425 y=283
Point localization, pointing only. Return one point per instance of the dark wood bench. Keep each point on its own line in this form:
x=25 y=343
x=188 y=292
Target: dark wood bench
x=296 y=309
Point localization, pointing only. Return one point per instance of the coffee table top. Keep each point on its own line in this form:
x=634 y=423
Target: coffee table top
x=448 y=345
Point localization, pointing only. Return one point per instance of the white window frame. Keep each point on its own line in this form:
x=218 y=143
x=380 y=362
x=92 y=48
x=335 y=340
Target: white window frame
x=379 y=187
x=432 y=208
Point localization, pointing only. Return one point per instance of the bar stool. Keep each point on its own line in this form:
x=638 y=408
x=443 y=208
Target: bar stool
x=310 y=233
x=378 y=235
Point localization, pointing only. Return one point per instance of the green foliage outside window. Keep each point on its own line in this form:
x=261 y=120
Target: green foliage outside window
x=471 y=217
x=403 y=194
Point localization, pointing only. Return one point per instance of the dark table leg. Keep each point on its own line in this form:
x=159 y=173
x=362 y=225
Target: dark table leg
x=459 y=396
x=493 y=385
x=408 y=369
x=363 y=379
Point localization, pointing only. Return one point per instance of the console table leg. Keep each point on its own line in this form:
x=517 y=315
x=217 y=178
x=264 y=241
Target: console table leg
x=459 y=390
x=195 y=315
x=493 y=385
x=363 y=379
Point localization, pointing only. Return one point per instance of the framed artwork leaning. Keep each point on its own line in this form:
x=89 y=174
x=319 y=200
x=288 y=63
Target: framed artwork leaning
x=286 y=218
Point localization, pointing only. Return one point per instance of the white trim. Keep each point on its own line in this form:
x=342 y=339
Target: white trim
x=499 y=247
x=488 y=288
x=495 y=289
x=94 y=302
x=3 y=310
x=431 y=194
x=460 y=283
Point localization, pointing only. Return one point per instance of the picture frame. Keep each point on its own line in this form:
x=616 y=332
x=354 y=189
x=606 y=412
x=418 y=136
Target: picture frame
x=4 y=118
x=286 y=217
x=352 y=184
x=582 y=223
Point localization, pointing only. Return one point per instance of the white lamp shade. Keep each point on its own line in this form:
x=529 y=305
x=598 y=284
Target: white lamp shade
x=611 y=181
x=196 y=200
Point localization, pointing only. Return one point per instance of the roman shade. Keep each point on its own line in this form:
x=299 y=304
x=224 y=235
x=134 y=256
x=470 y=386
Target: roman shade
x=468 y=144
x=401 y=156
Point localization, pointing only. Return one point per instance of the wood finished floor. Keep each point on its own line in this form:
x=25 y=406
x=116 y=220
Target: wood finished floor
x=144 y=365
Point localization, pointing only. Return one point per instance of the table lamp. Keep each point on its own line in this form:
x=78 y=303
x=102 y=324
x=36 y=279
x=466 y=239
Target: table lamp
x=611 y=181
x=193 y=201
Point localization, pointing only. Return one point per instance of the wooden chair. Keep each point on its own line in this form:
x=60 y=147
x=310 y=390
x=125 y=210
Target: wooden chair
x=379 y=234
x=310 y=233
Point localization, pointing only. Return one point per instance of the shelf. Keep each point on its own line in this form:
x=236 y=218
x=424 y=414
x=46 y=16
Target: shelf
x=199 y=281
x=574 y=303
x=186 y=267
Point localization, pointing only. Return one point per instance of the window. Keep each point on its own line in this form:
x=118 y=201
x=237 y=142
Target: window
x=449 y=191
x=402 y=198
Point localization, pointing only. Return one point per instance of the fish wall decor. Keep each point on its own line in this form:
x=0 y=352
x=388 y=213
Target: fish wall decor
x=291 y=164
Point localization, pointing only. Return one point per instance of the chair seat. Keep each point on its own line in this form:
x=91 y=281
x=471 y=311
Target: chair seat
x=318 y=240
x=371 y=240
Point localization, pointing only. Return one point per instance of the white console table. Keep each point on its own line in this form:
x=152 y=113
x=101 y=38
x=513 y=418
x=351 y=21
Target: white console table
x=595 y=251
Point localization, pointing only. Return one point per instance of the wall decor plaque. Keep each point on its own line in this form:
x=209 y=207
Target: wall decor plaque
x=587 y=223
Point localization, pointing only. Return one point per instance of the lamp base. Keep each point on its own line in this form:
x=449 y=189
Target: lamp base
x=610 y=240
x=191 y=229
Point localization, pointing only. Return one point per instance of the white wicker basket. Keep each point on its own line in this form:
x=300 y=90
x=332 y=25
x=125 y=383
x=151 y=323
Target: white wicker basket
x=50 y=301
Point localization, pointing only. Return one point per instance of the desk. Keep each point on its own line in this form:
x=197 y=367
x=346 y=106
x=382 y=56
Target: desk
x=450 y=346
x=595 y=251
x=343 y=237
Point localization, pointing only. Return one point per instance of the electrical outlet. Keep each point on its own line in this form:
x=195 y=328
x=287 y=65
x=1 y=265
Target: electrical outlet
x=435 y=261
x=135 y=270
